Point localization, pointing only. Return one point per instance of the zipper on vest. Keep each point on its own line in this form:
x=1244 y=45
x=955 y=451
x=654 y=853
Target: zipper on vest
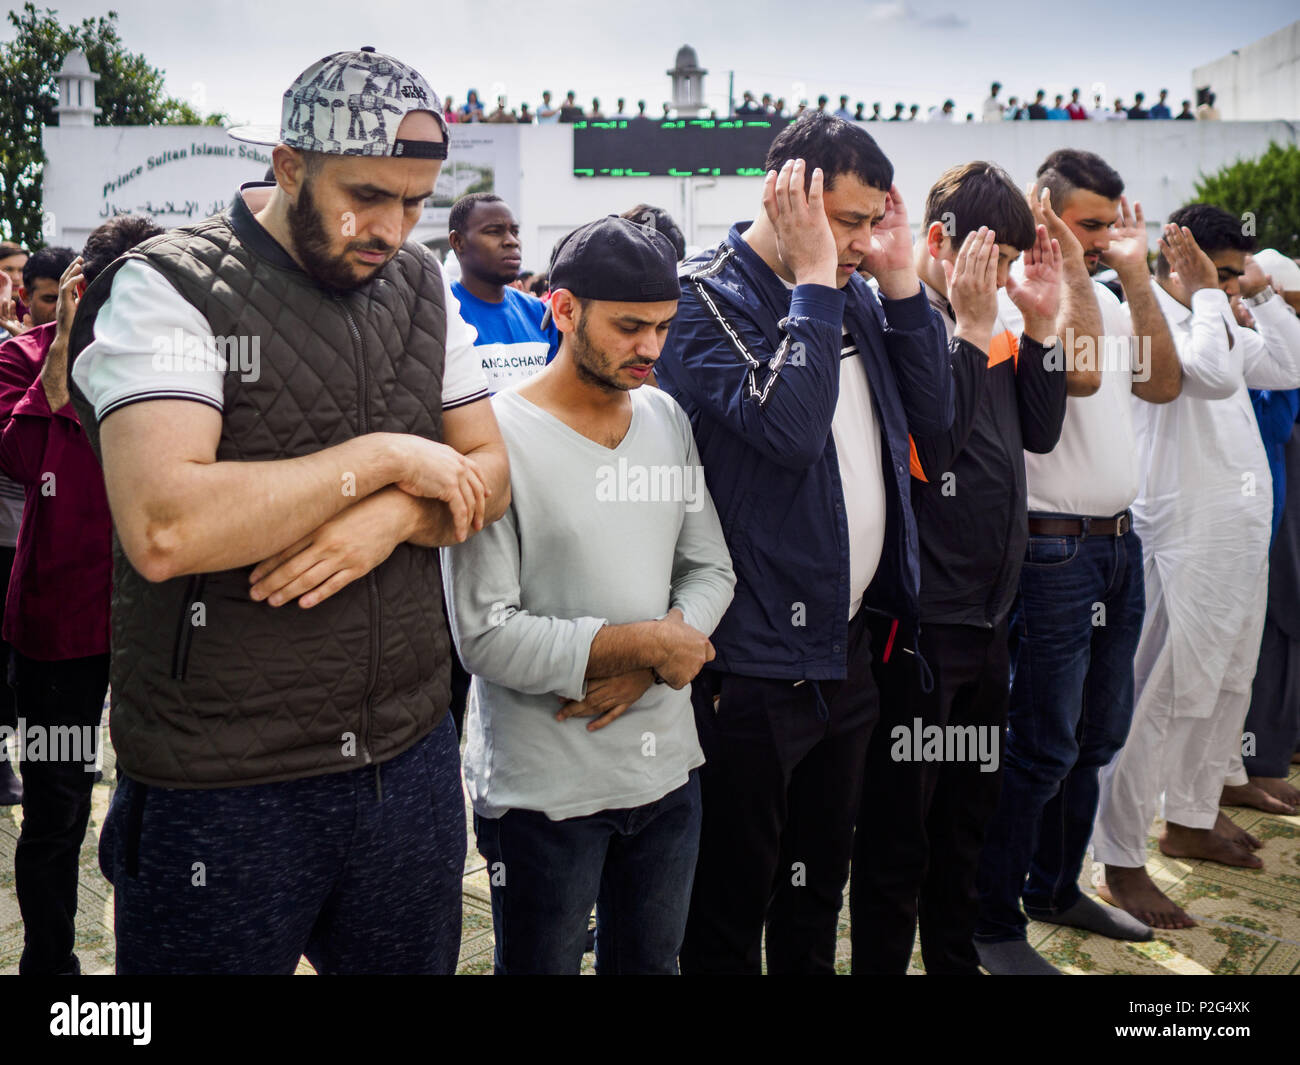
x=185 y=625
x=372 y=582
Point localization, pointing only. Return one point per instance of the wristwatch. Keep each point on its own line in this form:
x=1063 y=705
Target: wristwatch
x=1263 y=296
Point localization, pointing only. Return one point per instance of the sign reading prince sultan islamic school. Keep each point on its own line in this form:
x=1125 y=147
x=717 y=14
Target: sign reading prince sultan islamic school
x=173 y=174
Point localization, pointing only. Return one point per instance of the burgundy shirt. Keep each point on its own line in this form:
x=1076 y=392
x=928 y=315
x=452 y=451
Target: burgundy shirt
x=63 y=567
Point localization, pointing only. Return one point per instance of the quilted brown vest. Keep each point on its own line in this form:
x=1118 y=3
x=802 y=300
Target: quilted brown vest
x=209 y=688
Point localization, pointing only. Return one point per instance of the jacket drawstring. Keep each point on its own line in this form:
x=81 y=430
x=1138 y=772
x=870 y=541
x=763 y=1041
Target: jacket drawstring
x=823 y=711
x=927 y=678
x=379 y=786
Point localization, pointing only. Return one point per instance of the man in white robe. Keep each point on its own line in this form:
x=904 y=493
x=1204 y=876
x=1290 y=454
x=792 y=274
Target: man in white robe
x=1204 y=513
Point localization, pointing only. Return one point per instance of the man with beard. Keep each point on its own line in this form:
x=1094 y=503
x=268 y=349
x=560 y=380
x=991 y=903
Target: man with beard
x=605 y=576
x=287 y=407
x=1205 y=513
x=1075 y=626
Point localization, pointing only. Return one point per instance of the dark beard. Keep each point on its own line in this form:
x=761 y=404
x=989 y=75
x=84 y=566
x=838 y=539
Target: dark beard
x=311 y=240
x=587 y=362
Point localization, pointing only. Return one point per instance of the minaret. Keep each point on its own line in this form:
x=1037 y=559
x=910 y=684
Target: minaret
x=688 y=83
x=76 y=91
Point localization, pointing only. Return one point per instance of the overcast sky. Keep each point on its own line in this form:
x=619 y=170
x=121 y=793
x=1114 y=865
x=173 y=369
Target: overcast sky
x=238 y=56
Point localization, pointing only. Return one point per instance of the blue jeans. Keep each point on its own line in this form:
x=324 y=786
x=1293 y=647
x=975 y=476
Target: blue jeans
x=1074 y=631
x=636 y=865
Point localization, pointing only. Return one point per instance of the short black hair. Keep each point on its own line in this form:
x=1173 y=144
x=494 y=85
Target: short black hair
x=659 y=219
x=114 y=238
x=48 y=262
x=980 y=194
x=1213 y=228
x=458 y=219
x=9 y=249
x=1067 y=169
x=838 y=147
x=313 y=162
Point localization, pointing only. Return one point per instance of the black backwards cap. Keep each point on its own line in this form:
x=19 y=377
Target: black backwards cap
x=617 y=260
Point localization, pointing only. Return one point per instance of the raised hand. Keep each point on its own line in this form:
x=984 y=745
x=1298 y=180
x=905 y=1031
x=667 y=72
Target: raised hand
x=9 y=321
x=1195 y=269
x=804 y=240
x=54 y=371
x=1241 y=312
x=8 y=316
x=1038 y=296
x=973 y=287
x=1127 y=254
x=889 y=259
x=1253 y=281
x=69 y=297
x=1040 y=203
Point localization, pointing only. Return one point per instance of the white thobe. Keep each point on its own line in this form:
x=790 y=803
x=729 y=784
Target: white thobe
x=1204 y=513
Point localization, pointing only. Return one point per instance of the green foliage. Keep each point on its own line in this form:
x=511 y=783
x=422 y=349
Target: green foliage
x=1265 y=192
x=130 y=93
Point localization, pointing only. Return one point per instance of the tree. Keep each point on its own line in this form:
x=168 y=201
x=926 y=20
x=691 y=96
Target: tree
x=130 y=93
x=1265 y=193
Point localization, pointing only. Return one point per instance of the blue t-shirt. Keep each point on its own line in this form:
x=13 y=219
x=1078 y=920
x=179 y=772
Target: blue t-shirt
x=1058 y=114
x=511 y=341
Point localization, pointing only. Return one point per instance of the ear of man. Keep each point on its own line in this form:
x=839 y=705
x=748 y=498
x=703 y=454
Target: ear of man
x=934 y=237
x=292 y=168
x=566 y=309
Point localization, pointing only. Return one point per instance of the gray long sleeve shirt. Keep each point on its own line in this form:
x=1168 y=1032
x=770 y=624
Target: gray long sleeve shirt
x=592 y=535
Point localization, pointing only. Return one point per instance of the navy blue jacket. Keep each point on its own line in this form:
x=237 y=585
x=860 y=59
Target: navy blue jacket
x=1276 y=412
x=757 y=369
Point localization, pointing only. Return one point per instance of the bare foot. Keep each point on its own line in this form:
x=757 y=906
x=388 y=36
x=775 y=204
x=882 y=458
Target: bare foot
x=1133 y=890
x=1179 y=841
x=1279 y=789
x=1253 y=795
x=1229 y=830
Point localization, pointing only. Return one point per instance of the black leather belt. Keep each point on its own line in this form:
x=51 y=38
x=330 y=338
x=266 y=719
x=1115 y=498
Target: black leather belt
x=1083 y=527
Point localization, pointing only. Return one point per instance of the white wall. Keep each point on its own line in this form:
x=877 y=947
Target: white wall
x=1259 y=81
x=1159 y=161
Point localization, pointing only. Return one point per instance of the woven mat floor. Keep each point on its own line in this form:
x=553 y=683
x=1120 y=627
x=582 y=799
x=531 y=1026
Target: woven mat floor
x=1249 y=920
